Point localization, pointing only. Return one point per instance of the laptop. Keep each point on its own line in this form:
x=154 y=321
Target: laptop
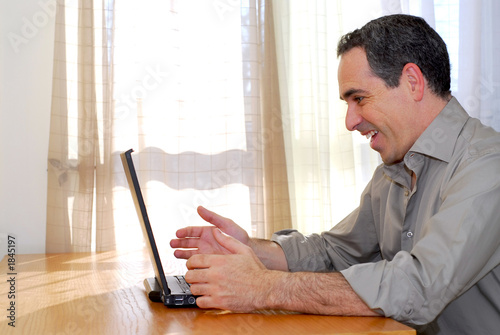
x=173 y=291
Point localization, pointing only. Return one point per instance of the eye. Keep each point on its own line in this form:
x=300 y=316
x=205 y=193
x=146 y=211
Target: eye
x=358 y=99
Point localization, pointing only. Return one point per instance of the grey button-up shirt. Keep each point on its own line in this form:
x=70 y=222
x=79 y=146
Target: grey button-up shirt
x=428 y=256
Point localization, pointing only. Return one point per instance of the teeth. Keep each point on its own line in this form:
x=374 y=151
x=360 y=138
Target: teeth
x=370 y=134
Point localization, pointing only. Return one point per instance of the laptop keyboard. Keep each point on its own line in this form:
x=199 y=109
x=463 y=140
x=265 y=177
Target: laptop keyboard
x=183 y=284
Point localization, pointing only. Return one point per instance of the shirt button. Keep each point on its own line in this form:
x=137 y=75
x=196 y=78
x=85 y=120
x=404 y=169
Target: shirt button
x=409 y=234
x=407 y=193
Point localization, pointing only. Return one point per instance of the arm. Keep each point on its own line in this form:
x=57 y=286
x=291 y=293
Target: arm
x=240 y=282
x=317 y=293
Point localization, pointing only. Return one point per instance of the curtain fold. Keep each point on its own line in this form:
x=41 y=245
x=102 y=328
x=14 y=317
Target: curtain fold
x=80 y=128
x=276 y=202
x=478 y=86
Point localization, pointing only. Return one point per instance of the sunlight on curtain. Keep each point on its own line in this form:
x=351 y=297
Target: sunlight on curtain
x=478 y=84
x=193 y=89
x=328 y=167
x=189 y=100
x=179 y=104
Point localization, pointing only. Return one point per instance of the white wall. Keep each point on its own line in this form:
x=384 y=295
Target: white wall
x=27 y=32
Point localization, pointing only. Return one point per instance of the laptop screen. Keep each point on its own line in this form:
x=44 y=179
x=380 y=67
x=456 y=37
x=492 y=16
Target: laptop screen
x=133 y=183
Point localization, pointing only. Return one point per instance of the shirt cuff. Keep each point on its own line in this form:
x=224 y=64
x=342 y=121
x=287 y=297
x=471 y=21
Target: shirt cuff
x=303 y=253
x=386 y=289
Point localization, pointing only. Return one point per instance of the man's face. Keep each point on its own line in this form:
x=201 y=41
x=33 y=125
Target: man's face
x=382 y=114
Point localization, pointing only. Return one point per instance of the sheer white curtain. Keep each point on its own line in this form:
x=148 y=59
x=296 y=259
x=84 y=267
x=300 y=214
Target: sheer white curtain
x=80 y=183
x=478 y=85
x=179 y=104
x=191 y=86
x=196 y=97
x=471 y=30
x=328 y=166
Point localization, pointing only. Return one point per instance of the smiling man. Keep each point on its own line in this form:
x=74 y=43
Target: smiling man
x=423 y=247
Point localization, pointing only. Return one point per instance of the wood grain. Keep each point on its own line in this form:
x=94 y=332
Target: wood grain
x=102 y=293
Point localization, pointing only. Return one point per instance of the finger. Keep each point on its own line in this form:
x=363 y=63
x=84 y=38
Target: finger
x=196 y=276
x=205 y=302
x=199 y=289
x=186 y=243
x=185 y=254
x=195 y=231
x=214 y=218
x=198 y=261
x=230 y=243
x=209 y=301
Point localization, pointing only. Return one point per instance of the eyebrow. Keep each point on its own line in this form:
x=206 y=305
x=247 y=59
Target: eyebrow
x=350 y=92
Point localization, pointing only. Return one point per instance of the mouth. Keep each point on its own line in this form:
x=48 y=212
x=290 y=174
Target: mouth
x=370 y=135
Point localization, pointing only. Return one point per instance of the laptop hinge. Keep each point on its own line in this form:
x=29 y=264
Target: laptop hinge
x=153 y=289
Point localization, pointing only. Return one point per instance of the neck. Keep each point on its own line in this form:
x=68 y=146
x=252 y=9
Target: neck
x=429 y=108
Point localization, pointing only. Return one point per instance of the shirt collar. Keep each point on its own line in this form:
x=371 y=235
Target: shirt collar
x=439 y=138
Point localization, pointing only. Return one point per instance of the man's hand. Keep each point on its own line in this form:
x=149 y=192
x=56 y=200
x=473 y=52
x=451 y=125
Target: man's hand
x=228 y=270
x=235 y=282
x=240 y=282
x=200 y=240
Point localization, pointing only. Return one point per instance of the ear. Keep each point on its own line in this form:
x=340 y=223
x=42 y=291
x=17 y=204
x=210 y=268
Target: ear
x=413 y=78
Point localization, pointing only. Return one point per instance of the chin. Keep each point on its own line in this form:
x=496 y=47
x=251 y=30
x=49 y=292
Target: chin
x=389 y=159
x=391 y=162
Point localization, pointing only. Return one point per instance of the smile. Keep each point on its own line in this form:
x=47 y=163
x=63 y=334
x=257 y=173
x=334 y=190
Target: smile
x=371 y=134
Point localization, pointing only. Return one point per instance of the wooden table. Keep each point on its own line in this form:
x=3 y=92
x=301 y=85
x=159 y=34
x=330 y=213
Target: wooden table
x=103 y=293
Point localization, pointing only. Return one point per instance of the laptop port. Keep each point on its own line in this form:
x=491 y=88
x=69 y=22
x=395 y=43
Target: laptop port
x=179 y=301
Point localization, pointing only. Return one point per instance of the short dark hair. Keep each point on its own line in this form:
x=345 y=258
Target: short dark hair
x=392 y=41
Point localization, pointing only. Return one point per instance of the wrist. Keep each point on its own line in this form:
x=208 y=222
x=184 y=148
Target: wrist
x=252 y=243
x=275 y=286
x=269 y=253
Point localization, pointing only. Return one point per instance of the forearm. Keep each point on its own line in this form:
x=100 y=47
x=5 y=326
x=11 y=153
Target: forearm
x=269 y=253
x=315 y=293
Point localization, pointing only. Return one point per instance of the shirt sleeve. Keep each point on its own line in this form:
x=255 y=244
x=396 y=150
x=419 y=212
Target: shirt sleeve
x=352 y=241
x=459 y=245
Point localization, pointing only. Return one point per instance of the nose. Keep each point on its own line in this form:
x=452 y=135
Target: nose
x=353 y=117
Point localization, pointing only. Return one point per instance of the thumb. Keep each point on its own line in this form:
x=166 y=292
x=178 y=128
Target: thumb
x=213 y=218
x=230 y=243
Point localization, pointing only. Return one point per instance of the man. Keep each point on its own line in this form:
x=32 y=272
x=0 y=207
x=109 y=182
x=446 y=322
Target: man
x=423 y=247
